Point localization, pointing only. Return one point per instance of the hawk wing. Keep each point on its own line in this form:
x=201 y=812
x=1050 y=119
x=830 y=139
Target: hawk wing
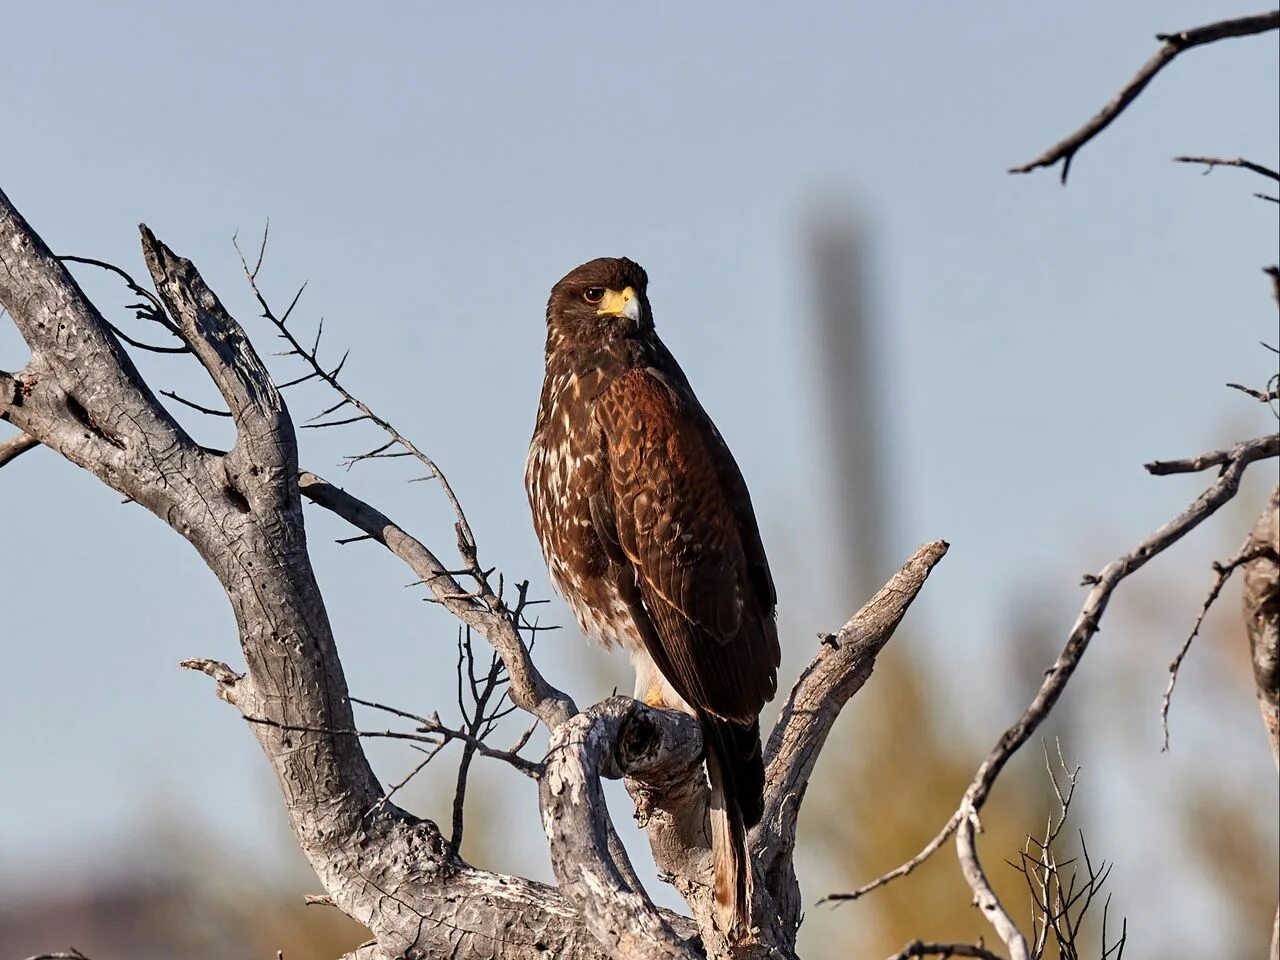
x=673 y=512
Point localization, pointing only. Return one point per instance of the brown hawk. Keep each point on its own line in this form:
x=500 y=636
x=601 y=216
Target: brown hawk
x=648 y=532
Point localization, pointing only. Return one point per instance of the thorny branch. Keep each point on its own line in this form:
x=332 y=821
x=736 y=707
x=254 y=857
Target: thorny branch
x=1172 y=44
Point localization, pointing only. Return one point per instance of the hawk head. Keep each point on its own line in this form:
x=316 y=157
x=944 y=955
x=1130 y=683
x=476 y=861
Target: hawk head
x=600 y=300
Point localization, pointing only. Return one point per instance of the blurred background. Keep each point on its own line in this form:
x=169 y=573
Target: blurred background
x=900 y=342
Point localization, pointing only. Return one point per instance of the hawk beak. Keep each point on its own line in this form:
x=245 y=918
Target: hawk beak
x=620 y=304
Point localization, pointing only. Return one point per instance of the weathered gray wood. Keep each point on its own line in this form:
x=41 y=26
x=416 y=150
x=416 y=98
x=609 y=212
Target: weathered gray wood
x=582 y=750
x=81 y=396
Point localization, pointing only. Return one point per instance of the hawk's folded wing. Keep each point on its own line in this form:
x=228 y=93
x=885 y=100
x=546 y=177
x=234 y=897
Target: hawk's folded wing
x=673 y=505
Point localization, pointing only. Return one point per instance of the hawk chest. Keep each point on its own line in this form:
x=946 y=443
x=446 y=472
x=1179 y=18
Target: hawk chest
x=566 y=467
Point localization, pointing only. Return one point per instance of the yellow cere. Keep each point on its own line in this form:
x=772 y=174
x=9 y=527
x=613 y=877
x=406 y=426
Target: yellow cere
x=616 y=301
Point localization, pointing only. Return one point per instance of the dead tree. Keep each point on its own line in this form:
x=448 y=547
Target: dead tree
x=242 y=510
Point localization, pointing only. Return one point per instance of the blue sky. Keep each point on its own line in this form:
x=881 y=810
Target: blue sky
x=432 y=170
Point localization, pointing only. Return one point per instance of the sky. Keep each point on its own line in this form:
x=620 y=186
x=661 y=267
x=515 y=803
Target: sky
x=431 y=170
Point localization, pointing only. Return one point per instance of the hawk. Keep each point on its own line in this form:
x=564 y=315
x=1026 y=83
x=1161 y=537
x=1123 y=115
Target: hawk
x=648 y=532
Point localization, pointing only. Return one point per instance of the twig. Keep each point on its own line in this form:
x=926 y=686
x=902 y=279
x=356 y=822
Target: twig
x=1060 y=903
x=159 y=314
x=433 y=733
x=1171 y=45
x=149 y=347
x=152 y=310
x=193 y=405
x=500 y=627
x=1265 y=446
x=928 y=850
x=71 y=953
x=1259 y=395
x=480 y=721
x=1248 y=552
x=398 y=786
x=432 y=726
x=1211 y=162
x=466 y=538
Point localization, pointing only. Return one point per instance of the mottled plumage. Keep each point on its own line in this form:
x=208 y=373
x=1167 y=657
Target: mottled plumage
x=648 y=533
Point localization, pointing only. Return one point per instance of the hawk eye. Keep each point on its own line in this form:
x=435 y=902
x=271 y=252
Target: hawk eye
x=593 y=294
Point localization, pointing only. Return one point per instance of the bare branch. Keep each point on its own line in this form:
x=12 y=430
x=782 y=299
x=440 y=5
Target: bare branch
x=1211 y=162
x=467 y=541
x=1086 y=626
x=1263 y=447
x=471 y=739
x=16 y=446
x=528 y=687
x=152 y=309
x=480 y=720
x=149 y=347
x=928 y=850
x=965 y=821
x=1262 y=396
x=1061 y=900
x=208 y=411
x=433 y=733
x=1248 y=552
x=1172 y=45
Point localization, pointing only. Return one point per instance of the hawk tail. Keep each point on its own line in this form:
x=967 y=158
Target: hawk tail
x=736 y=771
